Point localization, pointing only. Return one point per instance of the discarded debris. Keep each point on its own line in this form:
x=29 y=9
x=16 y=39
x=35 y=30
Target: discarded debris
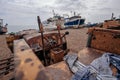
x=99 y=69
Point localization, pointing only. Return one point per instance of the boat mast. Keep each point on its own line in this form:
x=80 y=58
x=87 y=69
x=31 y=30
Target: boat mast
x=1 y=22
x=53 y=12
x=112 y=16
x=74 y=13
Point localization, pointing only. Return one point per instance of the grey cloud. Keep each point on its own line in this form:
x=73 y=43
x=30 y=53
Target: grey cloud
x=70 y=5
x=21 y=15
x=25 y=11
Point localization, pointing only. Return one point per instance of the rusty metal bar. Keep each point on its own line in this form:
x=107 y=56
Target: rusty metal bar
x=41 y=31
x=58 y=28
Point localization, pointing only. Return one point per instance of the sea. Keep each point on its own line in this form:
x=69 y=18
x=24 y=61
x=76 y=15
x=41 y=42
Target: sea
x=16 y=28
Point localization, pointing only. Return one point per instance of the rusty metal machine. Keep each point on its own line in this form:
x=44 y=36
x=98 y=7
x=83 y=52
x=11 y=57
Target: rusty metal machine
x=55 y=47
x=99 y=42
x=52 y=45
x=49 y=47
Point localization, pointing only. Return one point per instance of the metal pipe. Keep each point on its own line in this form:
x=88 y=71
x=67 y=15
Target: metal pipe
x=41 y=31
x=58 y=28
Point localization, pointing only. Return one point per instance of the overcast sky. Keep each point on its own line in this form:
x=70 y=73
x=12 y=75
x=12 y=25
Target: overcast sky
x=24 y=12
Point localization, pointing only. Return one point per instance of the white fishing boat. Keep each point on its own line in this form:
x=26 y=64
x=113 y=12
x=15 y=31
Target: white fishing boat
x=51 y=23
x=3 y=29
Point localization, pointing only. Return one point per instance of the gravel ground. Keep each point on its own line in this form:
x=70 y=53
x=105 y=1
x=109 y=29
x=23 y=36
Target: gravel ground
x=77 y=39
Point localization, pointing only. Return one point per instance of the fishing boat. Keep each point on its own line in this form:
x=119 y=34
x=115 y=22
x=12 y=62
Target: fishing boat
x=69 y=22
x=74 y=21
x=3 y=29
x=113 y=23
x=51 y=23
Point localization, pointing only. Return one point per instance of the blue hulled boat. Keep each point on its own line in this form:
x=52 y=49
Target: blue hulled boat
x=75 y=21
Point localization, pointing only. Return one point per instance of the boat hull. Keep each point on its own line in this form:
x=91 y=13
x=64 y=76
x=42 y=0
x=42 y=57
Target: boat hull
x=76 y=22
